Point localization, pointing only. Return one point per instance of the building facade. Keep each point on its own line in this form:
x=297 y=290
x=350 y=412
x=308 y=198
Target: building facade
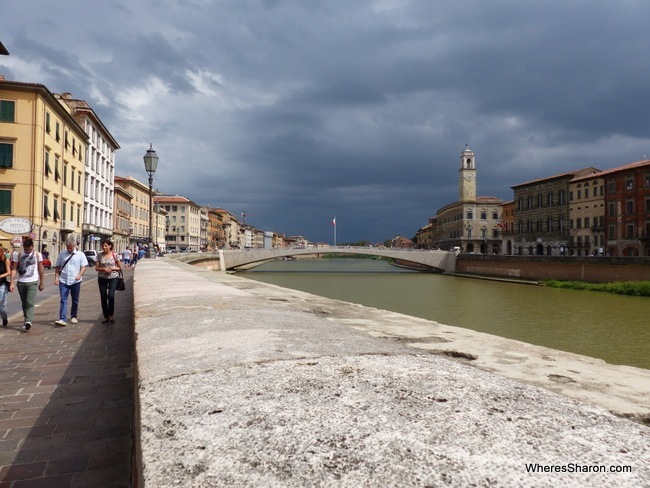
x=99 y=173
x=121 y=219
x=184 y=230
x=139 y=220
x=541 y=214
x=587 y=216
x=42 y=151
x=627 y=206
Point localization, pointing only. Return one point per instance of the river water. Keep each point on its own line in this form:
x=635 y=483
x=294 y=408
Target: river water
x=611 y=327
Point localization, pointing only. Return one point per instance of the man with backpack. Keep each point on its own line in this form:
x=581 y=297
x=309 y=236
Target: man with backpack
x=27 y=276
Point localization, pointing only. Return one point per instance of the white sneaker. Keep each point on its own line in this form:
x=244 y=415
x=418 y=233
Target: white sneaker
x=74 y=320
x=62 y=323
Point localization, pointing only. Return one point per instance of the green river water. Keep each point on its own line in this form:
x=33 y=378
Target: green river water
x=611 y=327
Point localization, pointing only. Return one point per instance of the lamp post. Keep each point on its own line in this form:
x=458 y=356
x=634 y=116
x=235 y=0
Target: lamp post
x=150 y=165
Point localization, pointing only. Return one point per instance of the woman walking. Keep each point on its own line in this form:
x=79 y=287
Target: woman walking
x=5 y=281
x=108 y=270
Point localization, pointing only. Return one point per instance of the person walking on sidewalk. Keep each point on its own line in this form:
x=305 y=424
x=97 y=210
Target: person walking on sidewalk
x=28 y=265
x=108 y=270
x=5 y=280
x=70 y=268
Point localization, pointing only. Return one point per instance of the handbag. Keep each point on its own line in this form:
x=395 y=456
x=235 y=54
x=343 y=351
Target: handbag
x=120 y=282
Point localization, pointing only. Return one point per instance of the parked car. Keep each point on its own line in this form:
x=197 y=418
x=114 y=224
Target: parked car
x=91 y=256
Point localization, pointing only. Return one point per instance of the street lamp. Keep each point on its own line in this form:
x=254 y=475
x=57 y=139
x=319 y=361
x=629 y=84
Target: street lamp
x=150 y=165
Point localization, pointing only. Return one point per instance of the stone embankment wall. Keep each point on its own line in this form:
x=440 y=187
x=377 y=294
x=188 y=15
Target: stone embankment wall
x=590 y=269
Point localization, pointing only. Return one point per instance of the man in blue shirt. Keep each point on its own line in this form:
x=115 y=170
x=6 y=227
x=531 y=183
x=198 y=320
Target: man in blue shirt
x=70 y=267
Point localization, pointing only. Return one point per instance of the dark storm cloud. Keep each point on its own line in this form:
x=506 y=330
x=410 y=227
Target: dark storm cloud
x=298 y=111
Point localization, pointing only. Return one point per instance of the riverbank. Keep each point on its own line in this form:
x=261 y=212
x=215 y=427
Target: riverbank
x=245 y=383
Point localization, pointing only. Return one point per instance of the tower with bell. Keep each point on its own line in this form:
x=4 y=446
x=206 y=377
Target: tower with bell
x=467 y=176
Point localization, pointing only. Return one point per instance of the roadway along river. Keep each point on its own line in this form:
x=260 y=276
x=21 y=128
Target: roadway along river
x=611 y=327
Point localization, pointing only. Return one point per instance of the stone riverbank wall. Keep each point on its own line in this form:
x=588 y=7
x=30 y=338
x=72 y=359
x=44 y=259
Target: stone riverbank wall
x=536 y=268
x=246 y=384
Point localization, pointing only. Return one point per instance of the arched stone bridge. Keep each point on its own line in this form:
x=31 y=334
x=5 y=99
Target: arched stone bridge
x=440 y=261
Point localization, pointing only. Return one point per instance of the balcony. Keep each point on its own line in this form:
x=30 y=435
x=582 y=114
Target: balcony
x=67 y=225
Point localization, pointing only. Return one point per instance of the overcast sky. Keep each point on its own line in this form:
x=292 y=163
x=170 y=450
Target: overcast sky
x=296 y=111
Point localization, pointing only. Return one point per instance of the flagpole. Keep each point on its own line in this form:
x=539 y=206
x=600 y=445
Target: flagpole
x=334 y=222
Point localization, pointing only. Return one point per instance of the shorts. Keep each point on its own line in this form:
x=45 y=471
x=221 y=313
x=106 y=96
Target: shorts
x=126 y=261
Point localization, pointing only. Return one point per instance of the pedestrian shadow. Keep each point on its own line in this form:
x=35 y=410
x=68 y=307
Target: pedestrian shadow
x=67 y=396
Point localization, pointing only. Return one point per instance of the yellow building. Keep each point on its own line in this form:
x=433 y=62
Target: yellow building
x=41 y=164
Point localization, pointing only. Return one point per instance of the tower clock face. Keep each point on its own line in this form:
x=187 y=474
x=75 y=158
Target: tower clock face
x=467 y=178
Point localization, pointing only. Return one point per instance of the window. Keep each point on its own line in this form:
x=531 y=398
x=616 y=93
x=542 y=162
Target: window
x=5 y=202
x=48 y=129
x=57 y=134
x=647 y=181
x=470 y=215
x=483 y=215
x=629 y=231
x=540 y=199
x=65 y=174
x=6 y=155
x=48 y=168
x=64 y=207
x=57 y=175
x=7 y=111
x=55 y=204
x=549 y=198
x=495 y=215
x=66 y=142
x=629 y=184
x=561 y=197
x=578 y=223
x=629 y=207
x=46 y=207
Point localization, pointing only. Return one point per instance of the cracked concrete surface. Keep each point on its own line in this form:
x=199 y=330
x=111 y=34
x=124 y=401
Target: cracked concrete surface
x=248 y=384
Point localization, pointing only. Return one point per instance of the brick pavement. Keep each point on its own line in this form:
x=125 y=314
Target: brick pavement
x=66 y=396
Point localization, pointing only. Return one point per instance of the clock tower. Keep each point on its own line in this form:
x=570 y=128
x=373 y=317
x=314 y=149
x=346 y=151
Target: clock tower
x=467 y=176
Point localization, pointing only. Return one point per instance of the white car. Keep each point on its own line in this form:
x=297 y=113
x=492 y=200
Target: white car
x=91 y=256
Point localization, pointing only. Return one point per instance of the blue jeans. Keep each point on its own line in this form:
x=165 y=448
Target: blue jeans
x=4 y=291
x=64 y=291
x=107 y=287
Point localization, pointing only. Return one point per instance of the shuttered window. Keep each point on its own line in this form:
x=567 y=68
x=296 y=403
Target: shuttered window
x=5 y=202
x=6 y=155
x=7 y=110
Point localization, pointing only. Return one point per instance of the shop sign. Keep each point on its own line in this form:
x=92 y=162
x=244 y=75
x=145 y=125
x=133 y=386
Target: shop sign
x=15 y=225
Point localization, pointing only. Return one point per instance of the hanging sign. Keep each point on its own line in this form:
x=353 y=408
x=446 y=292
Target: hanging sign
x=15 y=225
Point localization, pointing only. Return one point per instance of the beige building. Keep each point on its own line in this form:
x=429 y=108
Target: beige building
x=121 y=219
x=184 y=230
x=42 y=151
x=139 y=221
x=587 y=215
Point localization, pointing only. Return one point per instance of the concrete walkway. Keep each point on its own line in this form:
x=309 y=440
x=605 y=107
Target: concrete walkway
x=243 y=383
x=66 y=396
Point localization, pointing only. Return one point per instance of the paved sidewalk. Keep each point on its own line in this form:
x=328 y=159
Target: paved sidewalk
x=66 y=396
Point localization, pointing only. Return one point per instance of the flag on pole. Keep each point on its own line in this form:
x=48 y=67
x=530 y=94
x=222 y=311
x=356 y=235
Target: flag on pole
x=334 y=221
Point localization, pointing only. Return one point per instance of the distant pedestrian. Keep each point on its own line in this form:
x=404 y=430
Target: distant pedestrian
x=108 y=268
x=5 y=279
x=126 y=258
x=141 y=253
x=27 y=276
x=134 y=257
x=68 y=275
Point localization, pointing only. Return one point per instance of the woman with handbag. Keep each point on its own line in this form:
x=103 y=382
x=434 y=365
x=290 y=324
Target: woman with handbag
x=109 y=270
